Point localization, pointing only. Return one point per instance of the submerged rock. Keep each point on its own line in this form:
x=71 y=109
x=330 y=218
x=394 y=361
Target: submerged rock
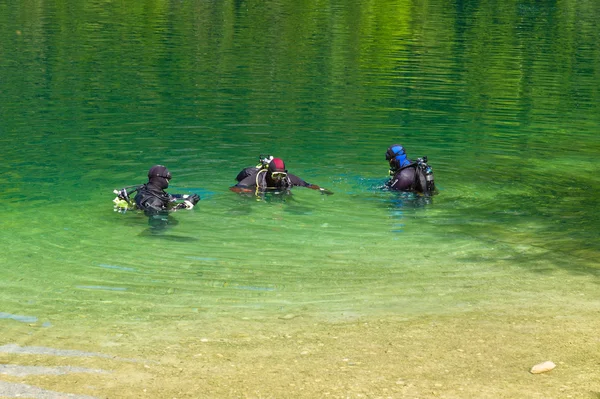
x=542 y=367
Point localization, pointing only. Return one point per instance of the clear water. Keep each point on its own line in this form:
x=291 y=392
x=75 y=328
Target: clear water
x=503 y=97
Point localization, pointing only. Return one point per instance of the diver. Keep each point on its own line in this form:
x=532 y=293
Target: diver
x=152 y=197
x=270 y=175
x=407 y=175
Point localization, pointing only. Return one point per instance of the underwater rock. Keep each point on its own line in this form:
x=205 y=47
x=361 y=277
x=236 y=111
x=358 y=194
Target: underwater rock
x=542 y=367
x=24 y=371
x=19 y=390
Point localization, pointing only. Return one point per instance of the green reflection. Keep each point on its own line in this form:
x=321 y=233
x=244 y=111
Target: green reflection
x=501 y=96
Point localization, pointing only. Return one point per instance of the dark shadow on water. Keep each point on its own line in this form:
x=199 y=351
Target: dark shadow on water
x=168 y=237
x=540 y=260
x=400 y=200
x=160 y=224
x=401 y=203
x=541 y=230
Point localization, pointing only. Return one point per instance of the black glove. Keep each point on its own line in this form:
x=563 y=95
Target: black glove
x=189 y=200
x=194 y=198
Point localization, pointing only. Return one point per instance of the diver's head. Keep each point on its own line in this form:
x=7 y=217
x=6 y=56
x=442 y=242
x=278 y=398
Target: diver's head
x=159 y=176
x=276 y=170
x=396 y=156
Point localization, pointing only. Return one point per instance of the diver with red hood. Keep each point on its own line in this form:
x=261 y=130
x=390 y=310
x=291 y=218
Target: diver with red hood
x=270 y=175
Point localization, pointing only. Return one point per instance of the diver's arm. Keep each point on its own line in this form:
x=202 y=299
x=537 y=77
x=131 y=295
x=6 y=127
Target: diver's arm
x=296 y=181
x=251 y=171
x=188 y=201
x=241 y=189
x=190 y=197
x=246 y=185
x=321 y=189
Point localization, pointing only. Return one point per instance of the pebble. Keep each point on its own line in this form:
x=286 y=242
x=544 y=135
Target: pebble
x=542 y=367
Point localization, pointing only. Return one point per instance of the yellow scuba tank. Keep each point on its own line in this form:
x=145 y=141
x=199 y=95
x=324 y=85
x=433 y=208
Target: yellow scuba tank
x=123 y=201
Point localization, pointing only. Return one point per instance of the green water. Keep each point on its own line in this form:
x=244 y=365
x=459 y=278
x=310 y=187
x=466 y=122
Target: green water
x=502 y=96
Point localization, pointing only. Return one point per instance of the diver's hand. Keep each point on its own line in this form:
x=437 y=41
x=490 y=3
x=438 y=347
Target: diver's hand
x=194 y=198
x=321 y=189
x=191 y=200
x=241 y=189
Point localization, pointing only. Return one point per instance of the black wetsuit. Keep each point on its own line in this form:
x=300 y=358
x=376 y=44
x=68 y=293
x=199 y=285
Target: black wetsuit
x=157 y=204
x=153 y=199
x=411 y=178
x=256 y=178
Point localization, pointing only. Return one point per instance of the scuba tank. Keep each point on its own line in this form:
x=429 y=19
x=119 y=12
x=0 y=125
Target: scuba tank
x=123 y=201
x=426 y=172
x=263 y=163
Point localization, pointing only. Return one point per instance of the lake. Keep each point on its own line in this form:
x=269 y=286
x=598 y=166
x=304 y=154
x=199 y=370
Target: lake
x=364 y=293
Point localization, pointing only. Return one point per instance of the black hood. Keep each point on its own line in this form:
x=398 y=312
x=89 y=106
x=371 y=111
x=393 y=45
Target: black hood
x=159 y=176
x=159 y=182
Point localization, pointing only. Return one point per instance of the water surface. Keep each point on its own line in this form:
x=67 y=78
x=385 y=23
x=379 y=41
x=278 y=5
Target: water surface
x=501 y=96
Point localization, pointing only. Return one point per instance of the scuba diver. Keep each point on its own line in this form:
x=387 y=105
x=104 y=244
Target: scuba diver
x=152 y=197
x=270 y=175
x=408 y=175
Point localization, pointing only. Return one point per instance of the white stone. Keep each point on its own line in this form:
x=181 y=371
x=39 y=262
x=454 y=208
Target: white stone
x=542 y=367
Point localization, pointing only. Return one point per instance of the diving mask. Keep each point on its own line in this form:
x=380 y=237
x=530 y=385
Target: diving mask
x=278 y=175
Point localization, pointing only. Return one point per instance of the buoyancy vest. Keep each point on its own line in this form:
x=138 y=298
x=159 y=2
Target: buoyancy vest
x=415 y=176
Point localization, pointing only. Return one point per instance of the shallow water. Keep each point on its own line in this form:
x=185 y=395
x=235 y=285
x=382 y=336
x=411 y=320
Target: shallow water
x=502 y=97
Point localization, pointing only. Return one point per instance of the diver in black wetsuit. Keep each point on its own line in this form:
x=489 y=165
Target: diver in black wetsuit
x=408 y=175
x=270 y=175
x=153 y=199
